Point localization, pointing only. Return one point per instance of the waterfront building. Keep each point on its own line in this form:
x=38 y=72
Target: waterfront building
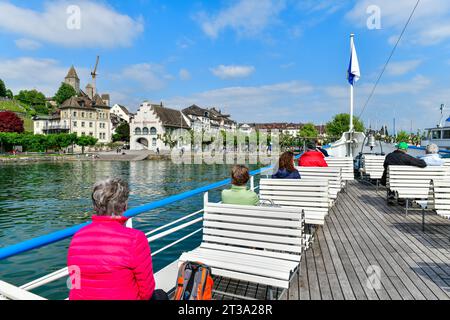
x=208 y=119
x=87 y=113
x=121 y=112
x=151 y=126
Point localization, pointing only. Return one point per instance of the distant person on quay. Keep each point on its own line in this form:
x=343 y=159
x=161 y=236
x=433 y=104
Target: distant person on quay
x=286 y=168
x=239 y=194
x=312 y=157
x=109 y=260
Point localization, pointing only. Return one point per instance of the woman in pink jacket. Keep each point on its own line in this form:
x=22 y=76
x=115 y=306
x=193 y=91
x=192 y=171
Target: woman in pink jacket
x=107 y=260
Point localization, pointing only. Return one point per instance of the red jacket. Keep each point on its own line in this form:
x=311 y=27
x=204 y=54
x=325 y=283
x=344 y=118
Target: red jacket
x=108 y=261
x=312 y=159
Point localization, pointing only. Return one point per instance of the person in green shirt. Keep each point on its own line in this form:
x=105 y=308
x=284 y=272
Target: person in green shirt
x=239 y=194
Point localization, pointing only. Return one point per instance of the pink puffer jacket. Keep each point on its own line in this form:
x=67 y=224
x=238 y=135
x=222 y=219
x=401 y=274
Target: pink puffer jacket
x=108 y=261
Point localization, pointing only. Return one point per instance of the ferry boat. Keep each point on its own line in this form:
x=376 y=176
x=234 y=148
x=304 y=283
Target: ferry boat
x=362 y=250
x=440 y=135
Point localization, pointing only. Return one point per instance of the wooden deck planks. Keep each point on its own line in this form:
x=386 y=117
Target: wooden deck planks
x=362 y=231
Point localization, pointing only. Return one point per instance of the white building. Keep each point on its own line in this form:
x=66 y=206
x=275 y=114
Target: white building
x=208 y=119
x=150 y=125
x=121 y=112
x=87 y=113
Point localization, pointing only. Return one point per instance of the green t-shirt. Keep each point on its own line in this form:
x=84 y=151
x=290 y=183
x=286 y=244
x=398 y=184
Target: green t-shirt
x=239 y=195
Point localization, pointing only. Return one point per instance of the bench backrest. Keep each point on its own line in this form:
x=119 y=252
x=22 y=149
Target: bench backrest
x=312 y=196
x=373 y=166
x=333 y=175
x=440 y=190
x=346 y=164
x=412 y=182
x=447 y=162
x=278 y=231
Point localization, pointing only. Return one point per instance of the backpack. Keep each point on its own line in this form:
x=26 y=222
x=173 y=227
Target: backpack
x=194 y=282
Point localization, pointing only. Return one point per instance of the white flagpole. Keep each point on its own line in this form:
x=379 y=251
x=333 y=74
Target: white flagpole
x=351 y=88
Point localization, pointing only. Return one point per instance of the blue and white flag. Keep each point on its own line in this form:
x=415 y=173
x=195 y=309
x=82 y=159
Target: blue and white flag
x=353 y=69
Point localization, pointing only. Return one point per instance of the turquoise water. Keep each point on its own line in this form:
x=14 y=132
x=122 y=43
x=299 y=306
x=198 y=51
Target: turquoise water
x=36 y=199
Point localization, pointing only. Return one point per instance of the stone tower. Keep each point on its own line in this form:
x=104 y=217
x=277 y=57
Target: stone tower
x=73 y=80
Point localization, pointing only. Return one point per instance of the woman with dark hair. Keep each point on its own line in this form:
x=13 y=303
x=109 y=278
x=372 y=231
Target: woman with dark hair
x=286 y=169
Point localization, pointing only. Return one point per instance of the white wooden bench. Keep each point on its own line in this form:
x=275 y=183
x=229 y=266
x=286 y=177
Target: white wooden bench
x=255 y=244
x=333 y=175
x=440 y=192
x=347 y=166
x=413 y=183
x=447 y=163
x=310 y=195
x=373 y=166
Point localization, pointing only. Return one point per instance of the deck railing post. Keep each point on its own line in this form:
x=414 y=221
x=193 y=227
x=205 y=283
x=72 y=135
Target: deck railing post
x=205 y=199
x=252 y=183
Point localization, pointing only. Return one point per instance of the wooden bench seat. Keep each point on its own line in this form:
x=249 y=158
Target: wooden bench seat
x=312 y=196
x=256 y=244
x=333 y=175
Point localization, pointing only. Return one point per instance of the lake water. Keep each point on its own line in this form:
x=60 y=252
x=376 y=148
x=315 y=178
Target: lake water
x=36 y=199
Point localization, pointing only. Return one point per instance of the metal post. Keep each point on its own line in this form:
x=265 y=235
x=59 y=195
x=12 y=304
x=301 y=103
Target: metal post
x=407 y=206
x=423 y=219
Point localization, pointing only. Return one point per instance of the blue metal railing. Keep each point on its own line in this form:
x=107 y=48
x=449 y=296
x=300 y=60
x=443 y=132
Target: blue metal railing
x=57 y=236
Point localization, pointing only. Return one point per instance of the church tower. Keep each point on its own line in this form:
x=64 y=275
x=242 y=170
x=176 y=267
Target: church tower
x=73 y=80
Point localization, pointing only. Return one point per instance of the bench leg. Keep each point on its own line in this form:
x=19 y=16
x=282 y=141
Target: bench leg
x=423 y=219
x=407 y=206
x=270 y=293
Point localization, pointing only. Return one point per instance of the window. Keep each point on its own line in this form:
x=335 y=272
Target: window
x=436 y=134
x=75 y=124
x=154 y=142
x=83 y=133
x=446 y=134
x=83 y=124
x=82 y=114
x=91 y=124
x=90 y=115
x=37 y=124
x=145 y=131
x=137 y=131
x=153 y=131
x=75 y=114
x=91 y=134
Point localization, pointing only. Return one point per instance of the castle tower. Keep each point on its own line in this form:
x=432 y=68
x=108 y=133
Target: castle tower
x=72 y=79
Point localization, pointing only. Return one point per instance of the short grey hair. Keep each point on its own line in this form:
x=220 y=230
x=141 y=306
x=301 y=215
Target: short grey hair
x=432 y=149
x=110 y=197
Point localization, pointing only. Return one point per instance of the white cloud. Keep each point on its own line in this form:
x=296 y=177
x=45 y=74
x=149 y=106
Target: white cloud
x=101 y=25
x=145 y=76
x=253 y=103
x=184 y=75
x=430 y=23
x=402 y=67
x=27 y=44
x=232 y=71
x=246 y=17
x=44 y=75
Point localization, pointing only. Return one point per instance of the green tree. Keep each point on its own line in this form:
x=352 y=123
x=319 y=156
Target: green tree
x=309 y=131
x=122 y=133
x=65 y=91
x=9 y=94
x=403 y=136
x=341 y=124
x=86 y=141
x=2 y=89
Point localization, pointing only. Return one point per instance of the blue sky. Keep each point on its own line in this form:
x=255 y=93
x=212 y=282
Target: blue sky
x=260 y=60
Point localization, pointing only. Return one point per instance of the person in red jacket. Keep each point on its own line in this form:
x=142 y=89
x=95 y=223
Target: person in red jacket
x=312 y=157
x=107 y=260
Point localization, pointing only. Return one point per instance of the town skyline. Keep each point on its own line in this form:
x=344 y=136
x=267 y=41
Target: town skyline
x=284 y=71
